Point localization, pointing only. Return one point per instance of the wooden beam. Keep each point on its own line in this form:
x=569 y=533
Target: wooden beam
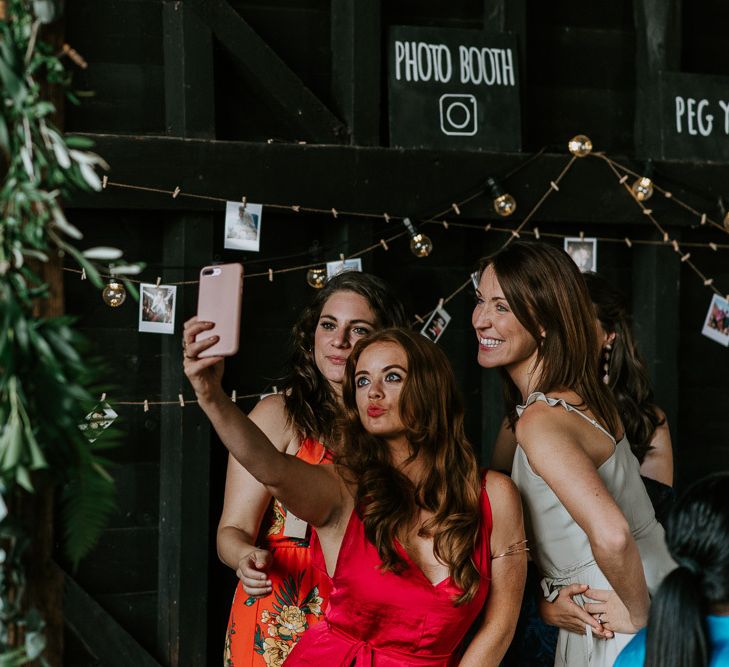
x=382 y=179
x=657 y=48
x=284 y=90
x=188 y=73
x=107 y=641
x=656 y=306
x=356 y=67
x=184 y=468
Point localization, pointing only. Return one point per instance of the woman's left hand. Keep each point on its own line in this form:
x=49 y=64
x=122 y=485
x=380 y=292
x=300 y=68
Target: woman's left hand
x=610 y=611
x=565 y=613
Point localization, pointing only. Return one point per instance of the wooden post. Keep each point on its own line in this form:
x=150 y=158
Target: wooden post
x=184 y=468
x=356 y=75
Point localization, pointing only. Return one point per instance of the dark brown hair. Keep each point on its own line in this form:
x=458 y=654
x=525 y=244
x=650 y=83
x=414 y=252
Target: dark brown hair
x=546 y=292
x=432 y=414
x=311 y=404
x=628 y=374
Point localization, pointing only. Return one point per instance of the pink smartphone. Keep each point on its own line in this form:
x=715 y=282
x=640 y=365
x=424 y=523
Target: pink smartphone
x=219 y=301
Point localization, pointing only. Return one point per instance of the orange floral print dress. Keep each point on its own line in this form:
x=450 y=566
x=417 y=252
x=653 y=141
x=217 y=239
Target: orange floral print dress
x=263 y=631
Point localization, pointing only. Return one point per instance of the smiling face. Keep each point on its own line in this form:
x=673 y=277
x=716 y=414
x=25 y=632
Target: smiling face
x=378 y=379
x=345 y=318
x=502 y=339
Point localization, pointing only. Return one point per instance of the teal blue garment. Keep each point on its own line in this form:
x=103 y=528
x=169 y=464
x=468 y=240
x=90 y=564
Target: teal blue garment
x=633 y=655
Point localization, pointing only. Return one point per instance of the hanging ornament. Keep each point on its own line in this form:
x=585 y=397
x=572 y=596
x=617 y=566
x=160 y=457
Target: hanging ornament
x=114 y=293
x=316 y=278
x=504 y=203
x=642 y=188
x=420 y=244
x=580 y=145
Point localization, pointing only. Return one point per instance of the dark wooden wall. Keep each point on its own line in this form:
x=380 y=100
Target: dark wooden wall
x=157 y=74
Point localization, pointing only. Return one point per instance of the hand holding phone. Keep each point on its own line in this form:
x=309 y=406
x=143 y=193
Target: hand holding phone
x=219 y=301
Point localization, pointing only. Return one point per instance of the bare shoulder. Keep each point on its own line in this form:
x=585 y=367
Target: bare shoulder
x=537 y=421
x=501 y=490
x=271 y=417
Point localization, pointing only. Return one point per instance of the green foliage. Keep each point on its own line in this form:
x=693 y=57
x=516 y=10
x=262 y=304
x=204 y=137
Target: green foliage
x=48 y=379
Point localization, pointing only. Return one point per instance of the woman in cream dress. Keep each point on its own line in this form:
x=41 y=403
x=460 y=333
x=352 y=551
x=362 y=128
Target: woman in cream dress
x=588 y=516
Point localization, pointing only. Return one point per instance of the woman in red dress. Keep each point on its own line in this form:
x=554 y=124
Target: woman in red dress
x=410 y=531
x=279 y=595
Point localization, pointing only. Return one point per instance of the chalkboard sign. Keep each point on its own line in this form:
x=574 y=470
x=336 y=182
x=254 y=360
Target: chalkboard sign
x=694 y=121
x=456 y=89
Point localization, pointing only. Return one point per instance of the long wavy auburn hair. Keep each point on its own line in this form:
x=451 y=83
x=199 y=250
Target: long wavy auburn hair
x=697 y=535
x=432 y=414
x=546 y=292
x=311 y=404
x=628 y=373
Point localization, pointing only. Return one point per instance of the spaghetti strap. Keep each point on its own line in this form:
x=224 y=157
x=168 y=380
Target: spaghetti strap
x=551 y=402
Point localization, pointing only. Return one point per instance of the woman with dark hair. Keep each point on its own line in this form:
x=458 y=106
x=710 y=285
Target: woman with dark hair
x=588 y=516
x=416 y=541
x=279 y=595
x=622 y=368
x=689 y=619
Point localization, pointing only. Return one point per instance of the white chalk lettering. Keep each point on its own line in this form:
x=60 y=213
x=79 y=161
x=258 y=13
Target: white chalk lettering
x=725 y=108
x=680 y=111
x=488 y=66
x=706 y=120
x=421 y=61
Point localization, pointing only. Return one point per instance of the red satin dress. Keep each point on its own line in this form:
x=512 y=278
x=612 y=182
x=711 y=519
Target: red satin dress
x=387 y=619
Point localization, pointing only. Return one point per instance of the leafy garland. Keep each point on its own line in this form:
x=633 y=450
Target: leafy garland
x=40 y=358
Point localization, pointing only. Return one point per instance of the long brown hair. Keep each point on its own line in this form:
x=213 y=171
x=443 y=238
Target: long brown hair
x=546 y=292
x=628 y=374
x=432 y=414
x=311 y=404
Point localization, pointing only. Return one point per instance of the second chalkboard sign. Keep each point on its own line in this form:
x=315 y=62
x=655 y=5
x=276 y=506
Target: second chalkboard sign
x=455 y=89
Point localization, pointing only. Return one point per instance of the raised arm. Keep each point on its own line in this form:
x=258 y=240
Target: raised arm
x=313 y=493
x=508 y=574
x=559 y=451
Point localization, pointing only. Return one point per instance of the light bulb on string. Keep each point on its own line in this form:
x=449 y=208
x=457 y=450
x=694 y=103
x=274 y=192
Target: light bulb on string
x=114 y=293
x=420 y=244
x=504 y=203
x=316 y=278
x=580 y=145
x=642 y=188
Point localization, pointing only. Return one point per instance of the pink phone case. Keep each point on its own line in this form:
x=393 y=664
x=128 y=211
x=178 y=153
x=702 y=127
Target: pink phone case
x=219 y=301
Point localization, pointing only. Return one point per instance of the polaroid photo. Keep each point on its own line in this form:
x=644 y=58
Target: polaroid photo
x=157 y=308
x=716 y=325
x=475 y=279
x=583 y=252
x=242 y=226
x=269 y=393
x=98 y=420
x=340 y=266
x=436 y=324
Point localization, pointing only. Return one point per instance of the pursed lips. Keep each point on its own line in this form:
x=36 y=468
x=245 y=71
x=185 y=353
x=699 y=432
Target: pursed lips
x=338 y=361
x=375 y=411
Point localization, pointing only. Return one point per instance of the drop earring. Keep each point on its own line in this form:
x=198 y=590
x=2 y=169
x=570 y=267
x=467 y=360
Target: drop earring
x=606 y=362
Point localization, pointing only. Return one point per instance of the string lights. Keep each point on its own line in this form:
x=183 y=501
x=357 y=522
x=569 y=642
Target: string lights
x=580 y=145
x=420 y=244
x=316 y=278
x=114 y=294
x=504 y=203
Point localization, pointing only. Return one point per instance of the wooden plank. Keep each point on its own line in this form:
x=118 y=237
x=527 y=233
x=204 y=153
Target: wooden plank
x=356 y=66
x=101 y=634
x=656 y=306
x=381 y=179
x=658 y=48
x=282 y=87
x=189 y=93
x=184 y=468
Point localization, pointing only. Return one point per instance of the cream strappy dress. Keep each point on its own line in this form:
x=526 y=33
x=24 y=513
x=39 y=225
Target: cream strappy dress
x=561 y=549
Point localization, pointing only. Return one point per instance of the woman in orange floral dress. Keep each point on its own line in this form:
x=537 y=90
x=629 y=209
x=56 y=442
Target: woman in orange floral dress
x=279 y=595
